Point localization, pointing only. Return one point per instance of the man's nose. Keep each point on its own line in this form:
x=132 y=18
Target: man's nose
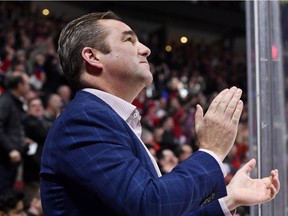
x=144 y=50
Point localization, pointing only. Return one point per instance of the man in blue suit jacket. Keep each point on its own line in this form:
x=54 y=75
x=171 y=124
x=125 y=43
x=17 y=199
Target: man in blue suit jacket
x=94 y=162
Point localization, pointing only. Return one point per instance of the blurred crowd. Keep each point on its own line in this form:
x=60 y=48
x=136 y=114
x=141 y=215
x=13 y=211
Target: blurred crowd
x=34 y=92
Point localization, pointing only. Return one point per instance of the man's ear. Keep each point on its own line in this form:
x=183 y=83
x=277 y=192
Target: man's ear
x=91 y=57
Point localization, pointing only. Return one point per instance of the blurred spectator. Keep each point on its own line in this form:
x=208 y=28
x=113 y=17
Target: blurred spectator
x=38 y=76
x=11 y=129
x=162 y=107
x=157 y=137
x=53 y=108
x=32 y=93
x=64 y=91
x=36 y=129
x=166 y=160
x=168 y=138
x=8 y=51
x=32 y=201
x=140 y=101
x=20 y=62
x=152 y=151
x=53 y=72
x=184 y=151
x=150 y=117
x=149 y=140
x=178 y=113
x=11 y=203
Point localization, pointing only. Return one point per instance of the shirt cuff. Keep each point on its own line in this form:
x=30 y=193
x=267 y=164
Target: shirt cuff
x=224 y=171
x=225 y=209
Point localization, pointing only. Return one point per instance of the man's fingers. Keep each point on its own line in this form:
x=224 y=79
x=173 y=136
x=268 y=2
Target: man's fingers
x=275 y=180
x=226 y=102
x=237 y=113
x=215 y=103
x=232 y=105
x=273 y=191
x=272 y=184
x=226 y=99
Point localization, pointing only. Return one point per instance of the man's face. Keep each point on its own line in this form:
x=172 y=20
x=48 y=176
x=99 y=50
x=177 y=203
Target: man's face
x=169 y=157
x=127 y=61
x=36 y=108
x=25 y=86
x=56 y=102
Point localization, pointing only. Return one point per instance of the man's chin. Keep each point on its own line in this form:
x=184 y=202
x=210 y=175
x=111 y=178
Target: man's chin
x=149 y=82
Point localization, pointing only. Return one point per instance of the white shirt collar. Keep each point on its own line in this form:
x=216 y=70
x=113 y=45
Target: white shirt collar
x=120 y=106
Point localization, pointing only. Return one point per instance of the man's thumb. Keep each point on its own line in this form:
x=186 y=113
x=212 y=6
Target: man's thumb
x=249 y=166
x=198 y=115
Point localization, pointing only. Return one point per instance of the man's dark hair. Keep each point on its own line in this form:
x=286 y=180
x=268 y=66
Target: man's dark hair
x=79 y=33
x=13 y=80
x=9 y=199
x=160 y=154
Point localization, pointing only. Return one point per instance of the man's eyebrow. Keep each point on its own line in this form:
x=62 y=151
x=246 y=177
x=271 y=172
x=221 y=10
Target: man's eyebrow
x=129 y=32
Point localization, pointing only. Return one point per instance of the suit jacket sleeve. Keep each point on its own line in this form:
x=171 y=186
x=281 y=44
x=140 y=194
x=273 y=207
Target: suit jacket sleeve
x=211 y=209
x=100 y=158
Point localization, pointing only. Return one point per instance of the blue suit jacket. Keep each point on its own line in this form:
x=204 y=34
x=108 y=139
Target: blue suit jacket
x=93 y=164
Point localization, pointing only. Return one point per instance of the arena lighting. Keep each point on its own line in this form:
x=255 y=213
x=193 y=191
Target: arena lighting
x=183 y=39
x=45 y=12
x=168 y=48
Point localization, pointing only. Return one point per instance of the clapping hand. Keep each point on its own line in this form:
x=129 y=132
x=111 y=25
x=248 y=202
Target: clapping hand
x=245 y=191
x=216 y=130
